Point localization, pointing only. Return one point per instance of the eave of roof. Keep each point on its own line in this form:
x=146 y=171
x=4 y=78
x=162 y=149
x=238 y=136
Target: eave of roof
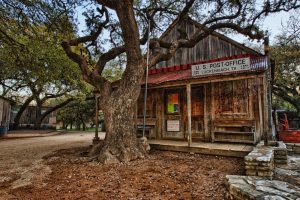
x=184 y=72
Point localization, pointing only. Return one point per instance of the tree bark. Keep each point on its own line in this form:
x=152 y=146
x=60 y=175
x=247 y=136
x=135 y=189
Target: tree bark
x=41 y=117
x=121 y=143
x=294 y=100
x=38 y=120
x=119 y=107
x=21 y=111
x=64 y=125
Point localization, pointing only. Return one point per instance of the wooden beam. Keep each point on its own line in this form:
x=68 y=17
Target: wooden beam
x=266 y=110
x=96 y=138
x=189 y=113
x=260 y=109
x=206 y=114
x=204 y=80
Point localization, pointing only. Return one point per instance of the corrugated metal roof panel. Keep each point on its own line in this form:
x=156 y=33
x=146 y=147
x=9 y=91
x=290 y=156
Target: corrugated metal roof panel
x=184 y=72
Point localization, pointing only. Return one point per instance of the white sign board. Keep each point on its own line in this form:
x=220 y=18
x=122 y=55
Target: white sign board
x=173 y=125
x=225 y=66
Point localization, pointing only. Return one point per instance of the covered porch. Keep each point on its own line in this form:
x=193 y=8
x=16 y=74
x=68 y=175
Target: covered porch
x=228 y=107
x=218 y=149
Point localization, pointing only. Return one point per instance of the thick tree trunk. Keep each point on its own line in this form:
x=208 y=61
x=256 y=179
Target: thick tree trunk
x=64 y=125
x=118 y=105
x=121 y=143
x=78 y=126
x=83 y=126
x=21 y=111
x=40 y=117
x=38 y=124
x=38 y=120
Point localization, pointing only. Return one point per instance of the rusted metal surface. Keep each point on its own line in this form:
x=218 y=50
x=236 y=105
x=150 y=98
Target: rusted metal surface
x=183 y=72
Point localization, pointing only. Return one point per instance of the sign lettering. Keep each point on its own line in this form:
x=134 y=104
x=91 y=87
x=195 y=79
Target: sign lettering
x=240 y=64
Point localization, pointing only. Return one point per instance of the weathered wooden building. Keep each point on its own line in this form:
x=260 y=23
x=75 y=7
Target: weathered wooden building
x=5 y=107
x=30 y=115
x=215 y=91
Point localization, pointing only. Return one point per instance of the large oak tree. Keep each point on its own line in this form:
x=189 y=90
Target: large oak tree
x=129 y=20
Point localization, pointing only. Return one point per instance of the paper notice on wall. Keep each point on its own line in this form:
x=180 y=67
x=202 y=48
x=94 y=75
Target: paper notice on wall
x=173 y=125
x=175 y=98
x=170 y=108
x=176 y=108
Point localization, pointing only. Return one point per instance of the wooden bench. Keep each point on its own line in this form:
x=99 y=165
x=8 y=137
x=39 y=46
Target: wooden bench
x=149 y=131
x=238 y=131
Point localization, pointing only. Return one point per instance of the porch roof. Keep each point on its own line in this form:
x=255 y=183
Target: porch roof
x=184 y=72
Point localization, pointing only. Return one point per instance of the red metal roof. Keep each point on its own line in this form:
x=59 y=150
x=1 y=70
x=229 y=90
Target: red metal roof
x=183 y=72
x=169 y=76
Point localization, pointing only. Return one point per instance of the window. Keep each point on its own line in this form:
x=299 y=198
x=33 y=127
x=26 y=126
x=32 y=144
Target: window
x=232 y=97
x=240 y=96
x=226 y=96
x=172 y=103
x=197 y=101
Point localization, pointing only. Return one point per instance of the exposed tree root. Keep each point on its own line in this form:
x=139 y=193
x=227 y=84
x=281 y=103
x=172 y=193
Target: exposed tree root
x=116 y=153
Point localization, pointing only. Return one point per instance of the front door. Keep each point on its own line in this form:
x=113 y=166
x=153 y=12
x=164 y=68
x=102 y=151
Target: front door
x=174 y=113
x=197 y=108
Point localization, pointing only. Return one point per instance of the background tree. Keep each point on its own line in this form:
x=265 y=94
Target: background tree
x=34 y=68
x=286 y=53
x=39 y=74
x=79 y=113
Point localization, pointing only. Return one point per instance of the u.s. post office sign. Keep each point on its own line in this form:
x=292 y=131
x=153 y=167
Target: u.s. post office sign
x=234 y=65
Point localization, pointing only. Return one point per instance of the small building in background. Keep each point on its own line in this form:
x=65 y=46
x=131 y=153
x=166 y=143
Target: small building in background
x=5 y=109
x=30 y=115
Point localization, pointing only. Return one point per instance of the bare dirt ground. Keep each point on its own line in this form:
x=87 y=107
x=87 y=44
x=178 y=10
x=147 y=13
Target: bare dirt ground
x=21 y=160
x=62 y=171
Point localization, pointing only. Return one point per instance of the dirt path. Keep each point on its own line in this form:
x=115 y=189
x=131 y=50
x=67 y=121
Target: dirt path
x=56 y=167
x=21 y=160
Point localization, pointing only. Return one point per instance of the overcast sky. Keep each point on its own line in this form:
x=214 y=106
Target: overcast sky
x=273 y=23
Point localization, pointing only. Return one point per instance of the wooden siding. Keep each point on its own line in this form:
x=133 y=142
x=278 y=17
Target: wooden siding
x=29 y=117
x=4 y=112
x=207 y=118
x=228 y=108
x=212 y=47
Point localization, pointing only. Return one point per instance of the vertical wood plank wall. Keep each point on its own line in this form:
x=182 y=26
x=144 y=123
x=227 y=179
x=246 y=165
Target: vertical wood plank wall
x=4 y=112
x=255 y=110
x=212 y=47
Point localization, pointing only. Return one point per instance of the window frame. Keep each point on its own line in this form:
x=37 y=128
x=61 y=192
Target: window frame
x=233 y=111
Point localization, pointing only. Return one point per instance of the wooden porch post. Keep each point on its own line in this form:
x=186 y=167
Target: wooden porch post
x=96 y=138
x=189 y=115
x=268 y=94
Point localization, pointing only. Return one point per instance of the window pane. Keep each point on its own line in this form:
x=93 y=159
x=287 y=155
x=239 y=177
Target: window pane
x=197 y=98
x=240 y=96
x=226 y=96
x=173 y=103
